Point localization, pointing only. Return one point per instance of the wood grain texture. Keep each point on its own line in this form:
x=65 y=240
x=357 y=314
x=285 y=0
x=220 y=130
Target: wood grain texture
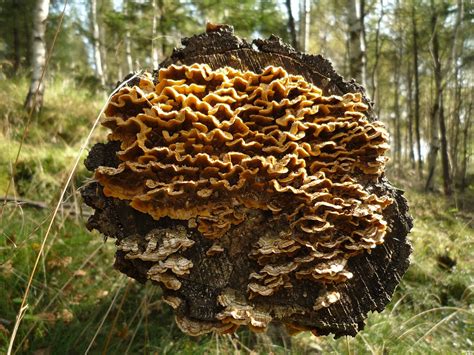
x=376 y=274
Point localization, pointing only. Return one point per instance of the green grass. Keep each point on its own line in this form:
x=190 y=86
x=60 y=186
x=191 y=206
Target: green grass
x=53 y=139
x=75 y=285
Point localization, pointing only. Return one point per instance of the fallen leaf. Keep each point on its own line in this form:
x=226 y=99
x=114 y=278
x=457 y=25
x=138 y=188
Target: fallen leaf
x=66 y=315
x=4 y=330
x=43 y=351
x=80 y=273
x=59 y=262
x=124 y=332
x=102 y=293
x=7 y=268
x=47 y=317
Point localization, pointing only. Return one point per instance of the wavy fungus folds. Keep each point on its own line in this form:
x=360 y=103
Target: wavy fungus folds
x=209 y=145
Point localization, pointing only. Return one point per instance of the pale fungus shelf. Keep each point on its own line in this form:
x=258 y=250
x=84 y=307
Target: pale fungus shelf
x=248 y=195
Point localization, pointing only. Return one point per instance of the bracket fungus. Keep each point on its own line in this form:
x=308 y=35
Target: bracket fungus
x=250 y=188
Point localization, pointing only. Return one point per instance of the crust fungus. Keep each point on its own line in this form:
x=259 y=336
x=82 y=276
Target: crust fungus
x=260 y=191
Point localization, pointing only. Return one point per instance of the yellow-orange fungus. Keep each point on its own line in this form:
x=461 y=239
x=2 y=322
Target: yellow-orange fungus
x=208 y=145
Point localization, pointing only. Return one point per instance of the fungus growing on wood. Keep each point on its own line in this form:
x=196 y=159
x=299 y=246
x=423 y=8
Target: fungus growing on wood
x=251 y=191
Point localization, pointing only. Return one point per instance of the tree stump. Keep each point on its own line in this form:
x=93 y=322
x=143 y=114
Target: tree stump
x=211 y=291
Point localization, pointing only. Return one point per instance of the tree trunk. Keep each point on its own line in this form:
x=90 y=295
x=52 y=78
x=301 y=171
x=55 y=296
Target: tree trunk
x=200 y=296
x=398 y=115
x=417 y=92
x=398 y=132
x=291 y=25
x=355 y=41
x=377 y=54
x=456 y=60
x=306 y=20
x=27 y=32
x=16 y=36
x=447 y=177
x=363 y=41
x=411 y=151
x=434 y=122
x=437 y=117
x=154 y=47
x=34 y=99
x=465 y=153
x=99 y=69
x=127 y=42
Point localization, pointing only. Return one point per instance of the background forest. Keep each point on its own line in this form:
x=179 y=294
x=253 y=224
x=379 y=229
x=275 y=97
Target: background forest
x=416 y=60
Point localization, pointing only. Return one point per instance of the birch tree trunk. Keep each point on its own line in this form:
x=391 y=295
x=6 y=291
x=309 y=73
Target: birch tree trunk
x=99 y=71
x=363 y=41
x=34 y=99
x=128 y=46
x=306 y=25
x=378 y=46
x=355 y=41
x=154 y=47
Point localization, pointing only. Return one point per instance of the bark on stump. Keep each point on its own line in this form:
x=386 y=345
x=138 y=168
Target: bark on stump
x=375 y=274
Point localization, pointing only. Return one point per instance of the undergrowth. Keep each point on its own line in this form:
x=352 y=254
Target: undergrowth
x=79 y=302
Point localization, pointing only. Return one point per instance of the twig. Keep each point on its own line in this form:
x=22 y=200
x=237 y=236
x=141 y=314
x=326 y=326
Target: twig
x=71 y=207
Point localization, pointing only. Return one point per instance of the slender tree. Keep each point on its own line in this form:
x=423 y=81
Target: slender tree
x=99 y=69
x=456 y=62
x=127 y=41
x=397 y=75
x=291 y=25
x=465 y=150
x=377 y=50
x=16 y=35
x=355 y=44
x=154 y=47
x=411 y=150
x=417 y=90
x=306 y=21
x=34 y=99
x=438 y=117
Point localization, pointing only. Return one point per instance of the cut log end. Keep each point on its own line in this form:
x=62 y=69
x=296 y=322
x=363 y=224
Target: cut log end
x=213 y=280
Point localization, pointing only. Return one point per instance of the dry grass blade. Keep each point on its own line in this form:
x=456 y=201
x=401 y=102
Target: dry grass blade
x=58 y=205
x=104 y=318
x=114 y=322
x=433 y=328
x=148 y=294
x=457 y=309
x=367 y=344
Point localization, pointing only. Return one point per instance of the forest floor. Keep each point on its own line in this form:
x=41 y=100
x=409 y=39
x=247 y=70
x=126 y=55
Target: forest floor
x=79 y=302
